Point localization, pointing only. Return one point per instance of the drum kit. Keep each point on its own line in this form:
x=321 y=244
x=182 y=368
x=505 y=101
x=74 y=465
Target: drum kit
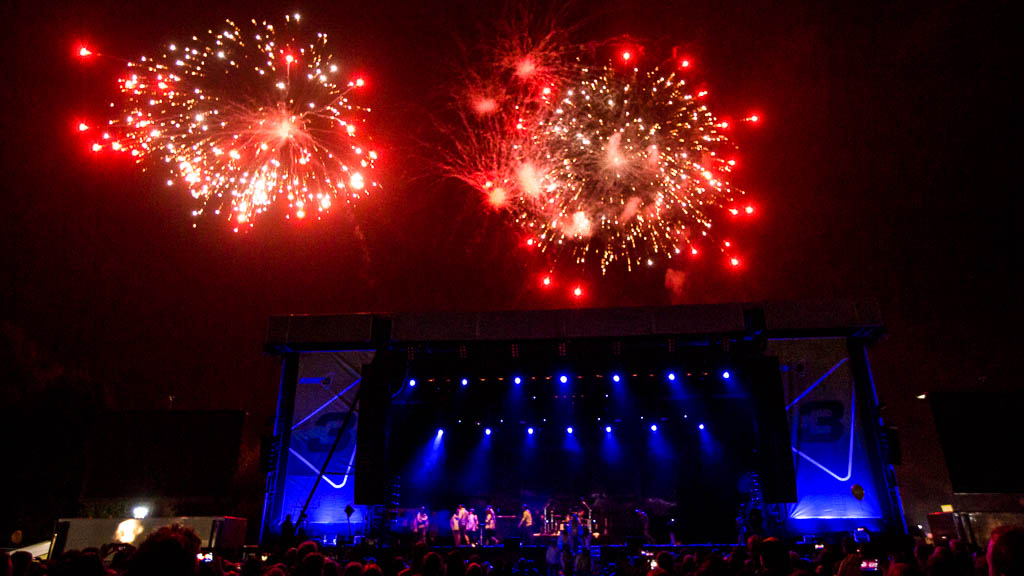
x=559 y=518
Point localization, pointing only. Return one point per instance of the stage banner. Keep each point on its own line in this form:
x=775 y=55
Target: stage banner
x=325 y=392
x=836 y=486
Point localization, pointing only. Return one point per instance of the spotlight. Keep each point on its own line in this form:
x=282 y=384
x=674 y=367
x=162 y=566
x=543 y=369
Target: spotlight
x=654 y=427
x=672 y=376
x=569 y=430
x=608 y=429
x=725 y=375
x=412 y=382
x=440 y=432
x=140 y=512
x=616 y=378
x=563 y=379
x=518 y=380
x=465 y=382
x=487 y=431
x=530 y=430
x=700 y=426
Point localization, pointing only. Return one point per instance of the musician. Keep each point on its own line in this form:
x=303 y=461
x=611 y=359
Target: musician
x=455 y=527
x=463 y=515
x=421 y=524
x=575 y=531
x=526 y=526
x=490 y=526
x=473 y=528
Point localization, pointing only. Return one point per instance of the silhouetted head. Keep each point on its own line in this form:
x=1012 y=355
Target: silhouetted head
x=170 y=551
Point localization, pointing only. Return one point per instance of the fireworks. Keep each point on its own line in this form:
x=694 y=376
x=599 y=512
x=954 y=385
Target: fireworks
x=600 y=163
x=245 y=117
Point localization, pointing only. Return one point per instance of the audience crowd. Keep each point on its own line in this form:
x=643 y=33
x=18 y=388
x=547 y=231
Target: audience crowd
x=175 y=551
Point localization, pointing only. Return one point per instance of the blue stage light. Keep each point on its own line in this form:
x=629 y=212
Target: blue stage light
x=518 y=380
x=608 y=429
x=616 y=378
x=487 y=431
x=725 y=374
x=672 y=376
x=412 y=382
x=465 y=382
x=440 y=432
x=569 y=430
x=529 y=431
x=701 y=426
x=654 y=427
x=563 y=379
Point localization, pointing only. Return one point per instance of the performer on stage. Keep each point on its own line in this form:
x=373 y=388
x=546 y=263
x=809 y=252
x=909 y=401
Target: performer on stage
x=526 y=526
x=490 y=526
x=455 y=528
x=463 y=516
x=473 y=528
x=575 y=531
x=421 y=525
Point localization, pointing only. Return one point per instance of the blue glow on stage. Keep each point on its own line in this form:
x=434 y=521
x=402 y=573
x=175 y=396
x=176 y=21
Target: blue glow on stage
x=726 y=375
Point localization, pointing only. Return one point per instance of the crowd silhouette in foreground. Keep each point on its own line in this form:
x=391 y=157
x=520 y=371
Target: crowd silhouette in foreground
x=175 y=551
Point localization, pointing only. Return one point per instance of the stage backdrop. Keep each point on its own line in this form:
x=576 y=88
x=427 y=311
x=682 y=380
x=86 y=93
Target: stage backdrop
x=837 y=488
x=326 y=389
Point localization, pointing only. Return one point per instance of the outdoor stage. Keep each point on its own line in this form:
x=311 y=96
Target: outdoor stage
x=668 y=424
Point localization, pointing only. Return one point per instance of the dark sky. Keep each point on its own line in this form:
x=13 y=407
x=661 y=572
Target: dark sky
x=882 y=169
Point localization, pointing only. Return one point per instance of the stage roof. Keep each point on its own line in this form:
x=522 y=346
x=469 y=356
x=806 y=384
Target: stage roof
x=816 y=319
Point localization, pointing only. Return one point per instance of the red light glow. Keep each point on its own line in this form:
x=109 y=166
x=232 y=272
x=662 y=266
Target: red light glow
x=84 y=52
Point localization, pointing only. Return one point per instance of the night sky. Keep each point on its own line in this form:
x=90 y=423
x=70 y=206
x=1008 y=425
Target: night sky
x=881 y=169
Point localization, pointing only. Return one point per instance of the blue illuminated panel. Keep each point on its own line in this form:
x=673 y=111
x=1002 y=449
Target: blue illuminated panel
x=836 y=488
x=325 y=390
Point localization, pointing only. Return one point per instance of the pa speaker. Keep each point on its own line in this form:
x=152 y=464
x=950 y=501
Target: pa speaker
x=60 y=538
x=774 y=453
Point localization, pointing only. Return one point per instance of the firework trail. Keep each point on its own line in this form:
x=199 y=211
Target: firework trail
x=245 y=117
x=610 y=163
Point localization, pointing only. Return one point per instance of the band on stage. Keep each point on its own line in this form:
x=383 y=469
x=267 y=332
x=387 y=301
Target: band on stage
x=572 y=529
